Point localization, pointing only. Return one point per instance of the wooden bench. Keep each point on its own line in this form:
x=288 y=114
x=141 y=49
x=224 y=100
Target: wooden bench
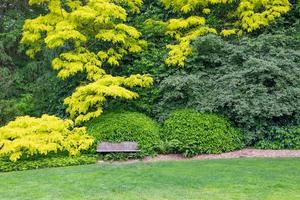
x=108 y=147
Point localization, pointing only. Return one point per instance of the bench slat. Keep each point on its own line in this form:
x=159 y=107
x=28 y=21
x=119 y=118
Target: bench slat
x=106 y=147
x=116 y=150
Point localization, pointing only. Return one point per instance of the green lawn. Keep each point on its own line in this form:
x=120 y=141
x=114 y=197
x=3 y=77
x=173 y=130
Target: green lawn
x=206 y=179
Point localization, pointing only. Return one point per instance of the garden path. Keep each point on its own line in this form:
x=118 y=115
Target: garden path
x=246 y=153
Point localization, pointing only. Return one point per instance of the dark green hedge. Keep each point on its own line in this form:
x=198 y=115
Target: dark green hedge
x=126 y=126
x=281 y=138
x=190 y=132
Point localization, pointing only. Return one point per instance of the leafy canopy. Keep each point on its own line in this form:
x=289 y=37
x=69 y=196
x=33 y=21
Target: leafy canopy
x=28 y=136
x=237 y=17
x=90 y=35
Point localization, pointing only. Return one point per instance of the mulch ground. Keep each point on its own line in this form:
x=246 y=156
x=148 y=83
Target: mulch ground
x=246 y=153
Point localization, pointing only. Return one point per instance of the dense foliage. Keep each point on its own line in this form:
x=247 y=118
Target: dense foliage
x=37 y=163
x=247 y=70
x=88 y=36
x=28 y=87
x=126 y=126
x=237 y=17
x=29 y=136
x=253 y=81
x=281 y=138
x=190 y=132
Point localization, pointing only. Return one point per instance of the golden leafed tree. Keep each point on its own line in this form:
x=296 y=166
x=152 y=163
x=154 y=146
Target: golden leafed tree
x=239 y=16
x=90 y=35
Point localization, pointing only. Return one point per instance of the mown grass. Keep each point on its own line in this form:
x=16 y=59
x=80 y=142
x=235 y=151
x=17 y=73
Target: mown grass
x=205 y=179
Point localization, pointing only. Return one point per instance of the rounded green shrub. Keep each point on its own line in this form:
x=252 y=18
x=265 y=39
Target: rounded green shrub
x=122 y=126
x=189 y=132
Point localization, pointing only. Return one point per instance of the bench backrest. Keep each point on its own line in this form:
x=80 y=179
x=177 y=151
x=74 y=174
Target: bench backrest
x=107 y=147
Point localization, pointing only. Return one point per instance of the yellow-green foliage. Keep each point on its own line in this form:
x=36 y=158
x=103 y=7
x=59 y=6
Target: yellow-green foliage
x=97 y=36
x=28 y=136
x=247 y=16
x=91 y=97
x=184 y=31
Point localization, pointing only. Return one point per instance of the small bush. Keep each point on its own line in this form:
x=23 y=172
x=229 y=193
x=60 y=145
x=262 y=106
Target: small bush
x=190 y=132
x=281 y=138
x=57 y=161
x=30 y=136
x=126 y=126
